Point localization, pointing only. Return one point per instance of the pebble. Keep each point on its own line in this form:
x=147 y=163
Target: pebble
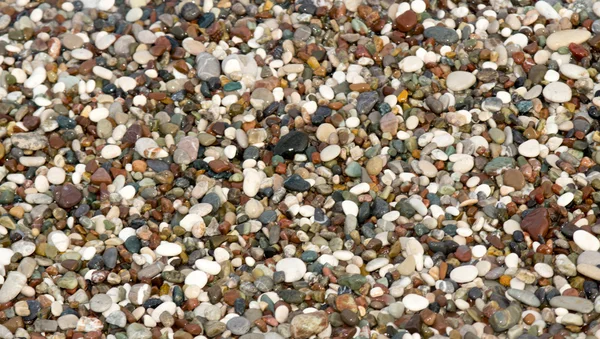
x=563 y=38
x=167 y=249
x=557 y=92
x=575 y=304
x=464 y=274
x=293 y=268
x=530 y=148
x=460 y=81
x=586 y=241
x=414 y=302
x=270 y=170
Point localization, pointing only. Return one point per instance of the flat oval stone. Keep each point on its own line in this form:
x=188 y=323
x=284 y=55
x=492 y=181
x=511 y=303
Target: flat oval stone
x=563 y=38
x=525 y=297
x=586 y=241
x=589 y=257
x=415 y=302
x=197 y=278
x=464 y=274
x=376 y=264
x=574 y=71
x=330 y=152
x=589 y=271
x=293 y=268
x=557 y=92
x=575 y=304
x=460 y=80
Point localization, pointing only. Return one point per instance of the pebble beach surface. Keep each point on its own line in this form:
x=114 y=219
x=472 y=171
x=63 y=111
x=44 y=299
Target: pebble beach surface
x=270 y=169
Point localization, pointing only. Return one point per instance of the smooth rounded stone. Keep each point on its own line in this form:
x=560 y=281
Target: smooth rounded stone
x=565 y=199
x=572 y=319
x=251 y=183
x=464 y=274
x=343 y=255
x=56 y=175
x=59 y=240
x=39 y=199
x=544 y=270
x=32 y=161
x=396 y=309
x=586 y=241
x=324 y=131
x=105 y=42
x=546 y=10
x=589 y=257
x=192 y=46
x=67 y=196
x=238 y=325
x=197 y=278
x=208 y=266
x=574 y=71
x=512 y=260
x=407 y=267
x=530 y=148
x=326 y=92
x=463 y=163
x=14 y=283
x=533 y=92
x=350 y=208
x=330 y=152
x=525 y=297
x=110 y=152
x=429 y=170
x=100 y=303
x=411 y=64
x=134 y=14
x=207 y=66
x=37 y=77
x=558 y=92
x=5 y=256
x=293 y=268
x=168 y=249
x=81 y=54
x=98 y=114
x=281 y=314
x=4 y=331
x=376 y=264
x=513 y=178
x=191 y=220
x=254 y=208
x=575 y=304
x=414 y=302
x=460 y=80
x=563 y=38
x=589 y=271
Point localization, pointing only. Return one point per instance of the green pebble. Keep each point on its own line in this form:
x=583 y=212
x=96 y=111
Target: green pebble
x=232 y=86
